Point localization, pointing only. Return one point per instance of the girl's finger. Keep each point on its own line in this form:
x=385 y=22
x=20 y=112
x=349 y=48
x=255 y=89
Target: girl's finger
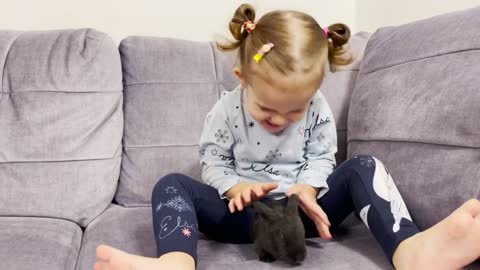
x=231 y=205
x=246 y=196
x=316 y=210
x=267 y=187
x=321 y=214
x=258 y=191
x=322 y=227
x=323 y=230
x=100 y=266
x=238 y=202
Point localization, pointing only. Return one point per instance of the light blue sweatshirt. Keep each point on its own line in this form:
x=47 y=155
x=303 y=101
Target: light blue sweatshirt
x=234 y=147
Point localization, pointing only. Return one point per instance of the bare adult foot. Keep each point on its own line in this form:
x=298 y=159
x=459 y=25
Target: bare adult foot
x=450 y=244
x=109 y=258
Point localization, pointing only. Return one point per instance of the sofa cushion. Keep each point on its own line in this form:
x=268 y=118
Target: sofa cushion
x=170 y=85
x=415 y=107
x=131 y=229
x=61 y=123
x=38 y=243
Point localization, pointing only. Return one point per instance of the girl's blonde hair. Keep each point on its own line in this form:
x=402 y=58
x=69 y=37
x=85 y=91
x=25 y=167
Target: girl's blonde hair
x=300 y=44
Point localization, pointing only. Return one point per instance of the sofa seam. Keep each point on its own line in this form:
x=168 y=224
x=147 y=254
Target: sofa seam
x=178 y=145
x=420 y=142
x=352 y=92
x=157 y=145
x=64 y=91
x=215 y=68
x=175 y=82
x=58 y=161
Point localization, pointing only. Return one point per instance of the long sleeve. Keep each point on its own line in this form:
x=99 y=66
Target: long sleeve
x=320 y=148
x=216 y=155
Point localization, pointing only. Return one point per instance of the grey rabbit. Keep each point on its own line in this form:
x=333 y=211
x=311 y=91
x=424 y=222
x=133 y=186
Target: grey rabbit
x=279 y=232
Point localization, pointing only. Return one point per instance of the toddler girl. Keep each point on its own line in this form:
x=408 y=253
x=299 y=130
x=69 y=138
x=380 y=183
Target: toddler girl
x=274 y=136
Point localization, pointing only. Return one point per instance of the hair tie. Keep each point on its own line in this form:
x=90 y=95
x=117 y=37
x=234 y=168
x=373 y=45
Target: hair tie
x=265 y=49
x=327 y=31
x=249 y=26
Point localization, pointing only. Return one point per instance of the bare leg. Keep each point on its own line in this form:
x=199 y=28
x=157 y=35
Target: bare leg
x=109 y=258
x=450 y=244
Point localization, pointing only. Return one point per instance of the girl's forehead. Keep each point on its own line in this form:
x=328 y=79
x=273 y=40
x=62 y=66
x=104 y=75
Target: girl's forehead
x=292 y=84
x=289 y=96
x=266 y=75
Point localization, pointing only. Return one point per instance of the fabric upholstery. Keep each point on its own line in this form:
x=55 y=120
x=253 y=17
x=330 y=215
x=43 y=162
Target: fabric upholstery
x=61 y=123
x=39 y=243
x=415 y=107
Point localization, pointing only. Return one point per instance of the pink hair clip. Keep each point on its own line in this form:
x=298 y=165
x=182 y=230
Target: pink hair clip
x=265 y=49
x=327 y=31
x=249 y=26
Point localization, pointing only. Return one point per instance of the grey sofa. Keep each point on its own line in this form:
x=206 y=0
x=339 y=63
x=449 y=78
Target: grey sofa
x=86 y=130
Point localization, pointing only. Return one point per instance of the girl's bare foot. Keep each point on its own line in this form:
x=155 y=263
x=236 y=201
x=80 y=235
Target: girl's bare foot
x=450 y=244
x=109 y=258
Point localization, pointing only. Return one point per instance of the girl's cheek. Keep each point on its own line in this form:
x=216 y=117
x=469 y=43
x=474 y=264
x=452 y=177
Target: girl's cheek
x=259 y=115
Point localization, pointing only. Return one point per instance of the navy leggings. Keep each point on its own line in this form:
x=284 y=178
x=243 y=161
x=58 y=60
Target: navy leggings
x=182 y=207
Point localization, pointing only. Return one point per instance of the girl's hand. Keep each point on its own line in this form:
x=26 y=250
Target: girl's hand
x=244 y=194
x=308 y=202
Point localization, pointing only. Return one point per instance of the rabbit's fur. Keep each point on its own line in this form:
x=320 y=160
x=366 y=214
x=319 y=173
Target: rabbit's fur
x=279 y=232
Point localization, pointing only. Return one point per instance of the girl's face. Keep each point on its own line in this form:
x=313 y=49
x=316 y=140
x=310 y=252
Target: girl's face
x=278 y=101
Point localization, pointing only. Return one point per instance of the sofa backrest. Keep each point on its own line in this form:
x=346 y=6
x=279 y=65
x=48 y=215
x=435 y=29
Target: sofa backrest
x=61 y=123
x=416 y=107
x=169 y=86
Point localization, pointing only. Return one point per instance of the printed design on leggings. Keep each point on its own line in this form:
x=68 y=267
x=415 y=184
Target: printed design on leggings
x=170 y=190
x=186 y=232
x=364 y=215
x=385 y=188
x=367 y=161
x=176 y=203
x=169 y=226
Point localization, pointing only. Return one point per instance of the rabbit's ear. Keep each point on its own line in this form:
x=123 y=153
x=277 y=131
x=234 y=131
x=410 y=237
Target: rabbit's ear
x=292 y=205
x=267 y=213
x=261 y=208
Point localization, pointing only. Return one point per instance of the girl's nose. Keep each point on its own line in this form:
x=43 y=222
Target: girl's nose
x=278 y=120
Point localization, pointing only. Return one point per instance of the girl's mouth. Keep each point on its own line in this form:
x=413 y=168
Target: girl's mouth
x=272 y=127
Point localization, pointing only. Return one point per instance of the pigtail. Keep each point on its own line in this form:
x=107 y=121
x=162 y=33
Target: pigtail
x=244 y=13
x=338 y=49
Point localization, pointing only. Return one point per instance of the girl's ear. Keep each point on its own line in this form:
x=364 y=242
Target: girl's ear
x=238 y=73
